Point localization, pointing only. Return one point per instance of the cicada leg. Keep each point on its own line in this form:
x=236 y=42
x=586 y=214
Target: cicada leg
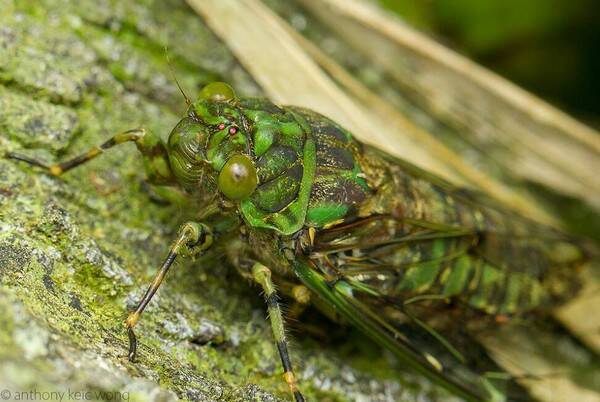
x=191 y=235
x=149 y=145
x=262 y=275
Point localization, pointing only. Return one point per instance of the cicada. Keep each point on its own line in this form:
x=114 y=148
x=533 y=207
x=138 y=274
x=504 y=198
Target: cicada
x=302 y=208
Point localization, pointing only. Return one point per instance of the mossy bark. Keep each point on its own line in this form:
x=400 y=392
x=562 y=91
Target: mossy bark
x=76 y=252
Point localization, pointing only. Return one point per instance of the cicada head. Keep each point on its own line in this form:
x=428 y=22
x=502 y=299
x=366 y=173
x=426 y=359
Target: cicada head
x=209 y=149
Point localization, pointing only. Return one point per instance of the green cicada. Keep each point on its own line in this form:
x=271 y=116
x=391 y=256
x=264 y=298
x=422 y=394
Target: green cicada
x=293 y=199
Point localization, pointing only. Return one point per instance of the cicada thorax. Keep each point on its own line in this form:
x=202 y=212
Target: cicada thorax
x=306 y=165
x=339 y=186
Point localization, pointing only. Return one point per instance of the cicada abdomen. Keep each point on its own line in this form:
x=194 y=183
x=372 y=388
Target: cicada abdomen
x=416 y=236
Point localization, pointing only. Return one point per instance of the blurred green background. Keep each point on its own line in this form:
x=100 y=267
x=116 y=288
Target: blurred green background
x=550 y=47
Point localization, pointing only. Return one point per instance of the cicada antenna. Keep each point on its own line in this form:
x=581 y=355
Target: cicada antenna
x=187 y=100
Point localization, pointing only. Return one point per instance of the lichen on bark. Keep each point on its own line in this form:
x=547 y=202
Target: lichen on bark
x=76 y=252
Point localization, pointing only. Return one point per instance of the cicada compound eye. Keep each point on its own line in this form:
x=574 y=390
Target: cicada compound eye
x=218 y=92
x=238 y=179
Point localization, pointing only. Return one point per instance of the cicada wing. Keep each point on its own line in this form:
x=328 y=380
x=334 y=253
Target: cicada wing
x=341 y=297
x=491 y=272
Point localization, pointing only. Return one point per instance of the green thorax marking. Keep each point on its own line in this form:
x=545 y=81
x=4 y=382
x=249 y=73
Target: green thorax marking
x=339 y=185
x=285 y=158
x=308 y=169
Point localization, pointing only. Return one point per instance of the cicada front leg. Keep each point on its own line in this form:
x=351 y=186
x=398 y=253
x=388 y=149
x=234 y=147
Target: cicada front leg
x=262 y=275
x=150 y=146
x=193 y=237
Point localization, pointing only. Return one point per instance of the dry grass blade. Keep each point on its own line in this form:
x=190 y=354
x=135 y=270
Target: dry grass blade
x=401 y=125
x=547 y=379
x=580 y=315
x=533 y=140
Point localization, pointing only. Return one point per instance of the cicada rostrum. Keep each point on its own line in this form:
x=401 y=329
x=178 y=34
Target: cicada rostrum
x=304 y=209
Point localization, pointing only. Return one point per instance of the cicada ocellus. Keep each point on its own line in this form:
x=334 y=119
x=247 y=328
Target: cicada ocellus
x=292 y=198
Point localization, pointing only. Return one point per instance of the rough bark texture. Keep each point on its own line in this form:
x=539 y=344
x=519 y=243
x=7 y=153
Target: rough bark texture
x=76 y=252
